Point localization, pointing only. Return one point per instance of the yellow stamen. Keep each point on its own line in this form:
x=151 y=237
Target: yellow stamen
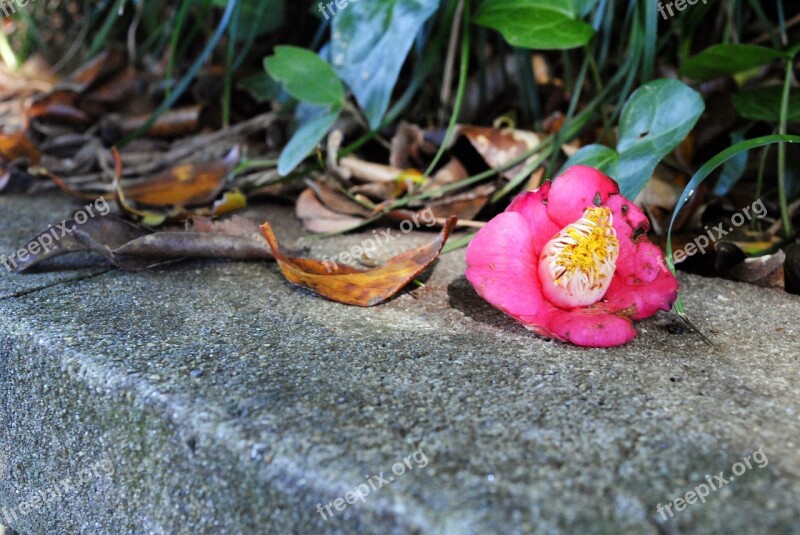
x=577 y=265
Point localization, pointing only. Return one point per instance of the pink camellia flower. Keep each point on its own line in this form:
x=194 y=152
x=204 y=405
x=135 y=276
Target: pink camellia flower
x=572 y=261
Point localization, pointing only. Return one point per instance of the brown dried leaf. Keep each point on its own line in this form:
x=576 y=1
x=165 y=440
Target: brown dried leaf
x=184 y=185
x=98 y=234
x=13 y=148
x=173 y=123
x=319 y=219
x=131 y=248
x=765 y=271
x=235 y=239
x=336 y=200
x=16 y=147
x=465 y=205
x=499 y=146
x=358 y=287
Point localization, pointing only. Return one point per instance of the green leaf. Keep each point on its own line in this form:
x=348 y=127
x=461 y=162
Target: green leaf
x=598 y=156
x=306 y=76
x=568 y=7
x=370 y=42
x=710 y=166
x=535 y=24
x=698 y=178
x=306 y=138
x=765 y=104
x=724 y=60
x=656 y=118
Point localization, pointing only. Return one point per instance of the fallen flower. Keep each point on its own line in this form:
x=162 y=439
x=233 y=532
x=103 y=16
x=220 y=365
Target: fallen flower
x=572 y=261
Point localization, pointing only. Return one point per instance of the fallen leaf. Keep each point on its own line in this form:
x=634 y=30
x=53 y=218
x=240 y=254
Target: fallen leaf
x=319 y=219
x=465 y=205
x=190 y=184
x=765 y=271
x=13 y=148
x=499 y=146
x=171 y=124
x=236 y=238
x=16 y=147
x=131 y=247
x=98 y=234
x=352 y=286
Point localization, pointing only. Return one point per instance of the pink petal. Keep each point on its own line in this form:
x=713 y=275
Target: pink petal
x=575 y=191
x=642 y=284
x=659 y=294
x=628 y=218
x=533 y=207
x=642 y=280
x=583 y=327
x=502 y=266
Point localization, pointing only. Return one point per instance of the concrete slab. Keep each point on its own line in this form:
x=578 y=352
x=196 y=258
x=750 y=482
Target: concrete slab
x=214 y=396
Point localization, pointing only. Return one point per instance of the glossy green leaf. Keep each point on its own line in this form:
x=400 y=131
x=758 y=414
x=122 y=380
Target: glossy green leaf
x=598 y=156
x=765 y=104
x=698 y=178
x=306 y=76
x=725 y=60
x=656 y=118
x=710 y=166
x=567 y=7
x=535 y=24
x=306 y=138
x=370 y=43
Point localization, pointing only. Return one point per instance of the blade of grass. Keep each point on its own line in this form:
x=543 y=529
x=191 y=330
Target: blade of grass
x=188 y=77
x=233 y=34
x=180 y=21
x=101 y=38
x=460 y=91
x=787 y=84
x=698 y=178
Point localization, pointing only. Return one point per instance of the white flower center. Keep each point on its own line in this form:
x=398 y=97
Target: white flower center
x=577 y=265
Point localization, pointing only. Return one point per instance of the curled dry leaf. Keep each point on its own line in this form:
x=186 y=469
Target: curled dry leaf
x=765 y=271
x=465 y=205
x=499 y=146
x=236 y=238
x=13 y=148
x=172 y=124
x=99 y=235
x=131 y=247
x=352 y=286
x=190 y=184
x=318 y=218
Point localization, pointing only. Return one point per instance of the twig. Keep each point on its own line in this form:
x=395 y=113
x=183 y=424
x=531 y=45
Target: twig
x=450 y=63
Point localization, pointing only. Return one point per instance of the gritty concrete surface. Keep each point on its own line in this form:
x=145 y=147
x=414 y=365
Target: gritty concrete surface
x=214 y=397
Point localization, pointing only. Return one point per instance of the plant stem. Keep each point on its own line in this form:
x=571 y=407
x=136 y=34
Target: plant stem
x=787 y=223
x=462 y=87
